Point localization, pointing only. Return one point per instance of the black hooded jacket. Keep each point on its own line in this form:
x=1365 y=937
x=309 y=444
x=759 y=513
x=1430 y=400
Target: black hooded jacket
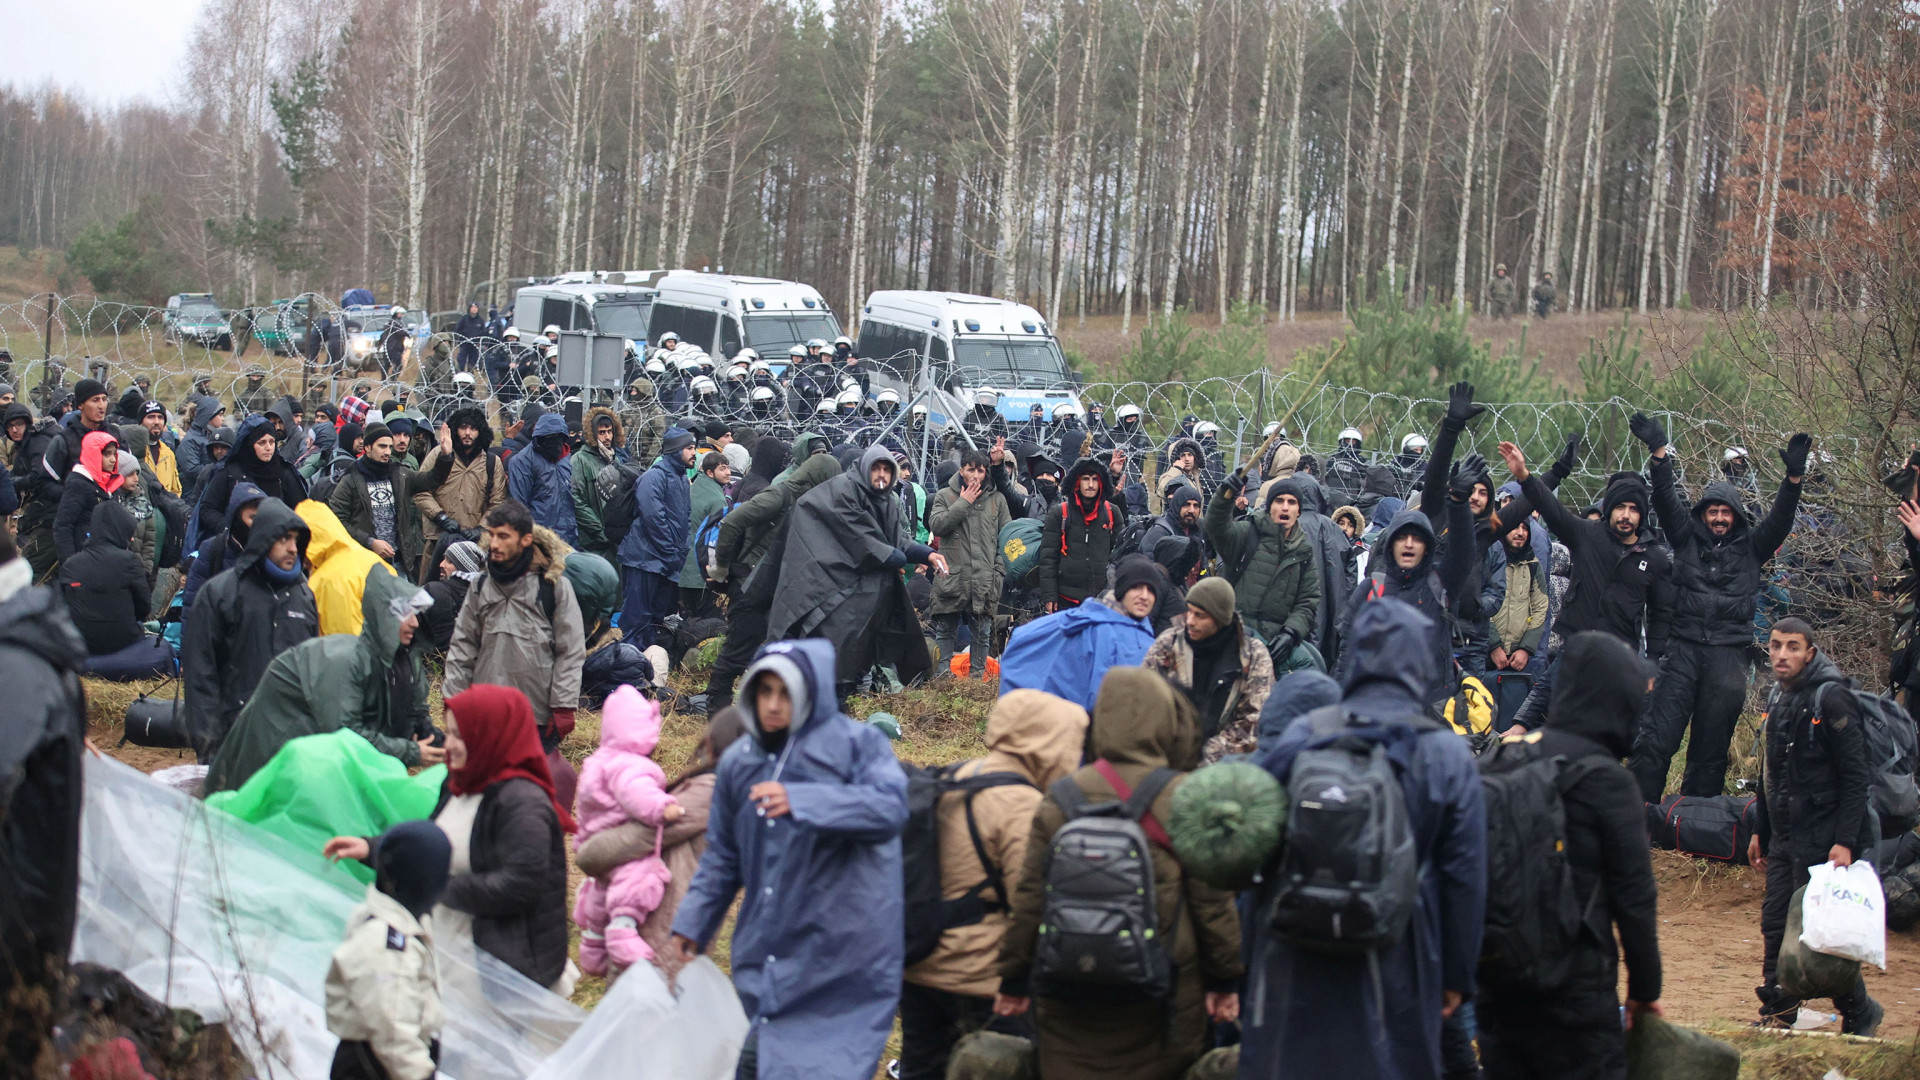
x=1815 y=778
x=1613 y=586
x=105 y=583
x=276 y=476
x=1075 y=548
x=1715 y=579
x=1432 y=587
x=770 y=456
x=1595 y=708
x=40 y=777
x=241 y=620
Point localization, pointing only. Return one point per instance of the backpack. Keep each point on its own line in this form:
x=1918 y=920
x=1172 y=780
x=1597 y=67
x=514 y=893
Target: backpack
x=1349 y=880
x=613 y=489
x=1892 y=753
x=1470 y=711
x=1128 y=542
x=1099 y=930
x=928 y=913
x=1534 y=915
x=706 y=536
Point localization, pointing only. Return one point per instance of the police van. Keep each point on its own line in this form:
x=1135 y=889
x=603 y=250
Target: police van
x=953 y=345
x=723 y=313
x=604 y=306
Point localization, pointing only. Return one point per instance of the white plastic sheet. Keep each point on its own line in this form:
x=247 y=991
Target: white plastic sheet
x=1845 y=913
x=207 y=913
x=643 y=1031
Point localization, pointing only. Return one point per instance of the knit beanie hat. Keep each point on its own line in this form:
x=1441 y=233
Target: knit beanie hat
x=1136 y=570
x=678 y=439
x=1214 y=596
x=88 y=388
x=375 y=432
x=467 y=557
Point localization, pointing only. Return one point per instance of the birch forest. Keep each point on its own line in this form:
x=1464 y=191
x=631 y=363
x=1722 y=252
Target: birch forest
x=1091 y=157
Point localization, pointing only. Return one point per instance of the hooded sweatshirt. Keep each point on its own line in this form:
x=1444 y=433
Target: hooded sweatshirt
x=620 y=781
x=105 y=584
x=89 y=484
x=1428 y=587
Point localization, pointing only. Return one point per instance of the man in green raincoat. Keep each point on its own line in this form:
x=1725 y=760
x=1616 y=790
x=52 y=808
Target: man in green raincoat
x=371 y=683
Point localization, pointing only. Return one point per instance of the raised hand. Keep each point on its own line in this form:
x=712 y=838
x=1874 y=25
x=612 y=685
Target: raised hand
x=1649 y=431
x=1563 y=466
x=1460 y=405
x=1516 y=461
x=1794 y=455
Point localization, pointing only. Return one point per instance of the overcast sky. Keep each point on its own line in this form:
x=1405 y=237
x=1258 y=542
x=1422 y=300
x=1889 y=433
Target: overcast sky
x=110 y=51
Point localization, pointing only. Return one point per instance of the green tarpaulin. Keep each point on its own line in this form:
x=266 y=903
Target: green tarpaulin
x=321 y=786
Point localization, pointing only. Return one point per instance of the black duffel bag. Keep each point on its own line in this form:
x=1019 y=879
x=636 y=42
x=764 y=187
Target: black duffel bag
x=1709 y=827
x=157 y=722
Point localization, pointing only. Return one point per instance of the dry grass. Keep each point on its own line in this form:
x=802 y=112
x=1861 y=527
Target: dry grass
x=1777 y=1055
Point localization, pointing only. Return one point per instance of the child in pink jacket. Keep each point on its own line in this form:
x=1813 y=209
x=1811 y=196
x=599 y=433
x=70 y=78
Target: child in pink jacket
x=620 y=783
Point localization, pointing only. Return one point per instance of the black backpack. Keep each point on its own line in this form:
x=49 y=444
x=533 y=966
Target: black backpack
x=613 y=490
x=1128 y=542
x=1349 y=880
x=1100 y=929
x=1534 y=914
x=1891 y=751
x=929 y=914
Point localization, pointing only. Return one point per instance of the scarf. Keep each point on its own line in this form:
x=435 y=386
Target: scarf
x=374 y=470
x=496 y=723
x=508 y=573
x=280 y=578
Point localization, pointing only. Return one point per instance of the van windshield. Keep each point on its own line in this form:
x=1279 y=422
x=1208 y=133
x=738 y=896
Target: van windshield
x=627 y=318
x=199 y=307
x=774 y=333
x=1023 y=362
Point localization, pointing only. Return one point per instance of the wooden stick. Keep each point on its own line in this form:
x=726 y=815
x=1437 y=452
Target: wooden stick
x=1332 y=355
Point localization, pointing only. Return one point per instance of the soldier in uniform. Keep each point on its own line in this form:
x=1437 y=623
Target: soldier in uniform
x=1500 y=293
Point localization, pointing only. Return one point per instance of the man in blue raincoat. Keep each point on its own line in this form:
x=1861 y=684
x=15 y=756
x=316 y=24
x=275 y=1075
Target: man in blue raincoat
x=806 y=823
x=1309 y=1016
x=1069 y=652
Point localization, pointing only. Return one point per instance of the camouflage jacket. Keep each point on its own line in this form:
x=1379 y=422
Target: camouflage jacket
x=1172 y=655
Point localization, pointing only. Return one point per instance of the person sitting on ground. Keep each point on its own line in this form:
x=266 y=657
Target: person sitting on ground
x=463 y=565
x=807 y=820
x=1222 y=668
x=1141 y=726
x=1575 y=1032
x=507 y=885
x=254 y=460
x=93 y=480
x=371 y=684
x=383 y=986
x=242 y=618
x=621 y=783
x=1034 y=739
x=107 y=593
x=1068 y=653
x=1814 y=805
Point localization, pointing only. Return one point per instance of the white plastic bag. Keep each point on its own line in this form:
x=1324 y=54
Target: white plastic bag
x=1845 y=913
x=643 y=1031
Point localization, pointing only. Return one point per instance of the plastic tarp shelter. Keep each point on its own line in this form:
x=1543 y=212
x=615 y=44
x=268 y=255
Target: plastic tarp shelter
x=209 y=913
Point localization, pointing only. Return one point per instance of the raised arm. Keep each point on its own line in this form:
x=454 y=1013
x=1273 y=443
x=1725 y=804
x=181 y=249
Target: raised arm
x=1560 y=523
x=1775 y=527
x=1460 y=409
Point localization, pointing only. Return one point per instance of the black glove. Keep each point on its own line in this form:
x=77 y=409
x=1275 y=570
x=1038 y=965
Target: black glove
x=1795 y=455
x=1466 y=473
x=446 y=524
x=1569 y=457
x=1460 y=406
x=1284 y=645
x=1648 y=430
x=1235 y=483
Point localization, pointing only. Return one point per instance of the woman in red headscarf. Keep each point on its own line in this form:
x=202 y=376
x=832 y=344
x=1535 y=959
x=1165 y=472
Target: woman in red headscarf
x=94 y=479
x=508 y=889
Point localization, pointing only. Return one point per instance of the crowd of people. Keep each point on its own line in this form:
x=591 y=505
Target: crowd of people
x=1149 y=609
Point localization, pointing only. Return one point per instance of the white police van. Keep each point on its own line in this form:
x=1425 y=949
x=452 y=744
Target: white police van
x=723 y=313
x=952 y=345
x=584 y=301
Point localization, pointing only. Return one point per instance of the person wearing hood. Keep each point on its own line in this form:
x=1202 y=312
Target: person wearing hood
x=839 y=573
x=462 y=479
x=1221 y=667
x=1141 y=725
x=1408 y=563
x=1622 y=574
x=753 y=535
x=1068 y=653
x=17 y=419
x=374 y=502
x=244 y=616
x=107 y=593
x=805 y=820
x=324 y=471
x=1317 y=1016
x=1181 y=519
x=540 y=478
x=1269 y=562
x=1575 y=1031
x=605 y=445
x=769 y=460
x=289 y=436
x=706 y=504
x=371 y=683
x=254 y=461
x=92 y=481
x=219 y=551
x=208 y=414
x=1043 y=483
x=521 y=624
x=1518 y=627
x=1719 y=566
x=1814 y=804
x=1033 y=740
x=1296 y=694
x=1184 y=461
x=1077 y=537
x=62 y=452
x=968 y=515
x=506 y=891
x=383 y=984
x=41 y=790
x=655 y=549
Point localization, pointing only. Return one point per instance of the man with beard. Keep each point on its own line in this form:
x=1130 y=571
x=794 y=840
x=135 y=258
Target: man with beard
x=541 y=479
x=1621 y=575
x=1181 y=519
x=840 y=574
x=604 y=447
x=1043 y=476
x=1719 y=565
x=374 y=500
x=1077 y=538
x=1270 y=562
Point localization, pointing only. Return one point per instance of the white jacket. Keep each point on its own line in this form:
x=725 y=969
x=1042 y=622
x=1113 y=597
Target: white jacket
x=383 y=987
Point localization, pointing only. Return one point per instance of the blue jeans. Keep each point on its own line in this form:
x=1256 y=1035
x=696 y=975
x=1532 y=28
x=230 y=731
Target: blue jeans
x=649 y=598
